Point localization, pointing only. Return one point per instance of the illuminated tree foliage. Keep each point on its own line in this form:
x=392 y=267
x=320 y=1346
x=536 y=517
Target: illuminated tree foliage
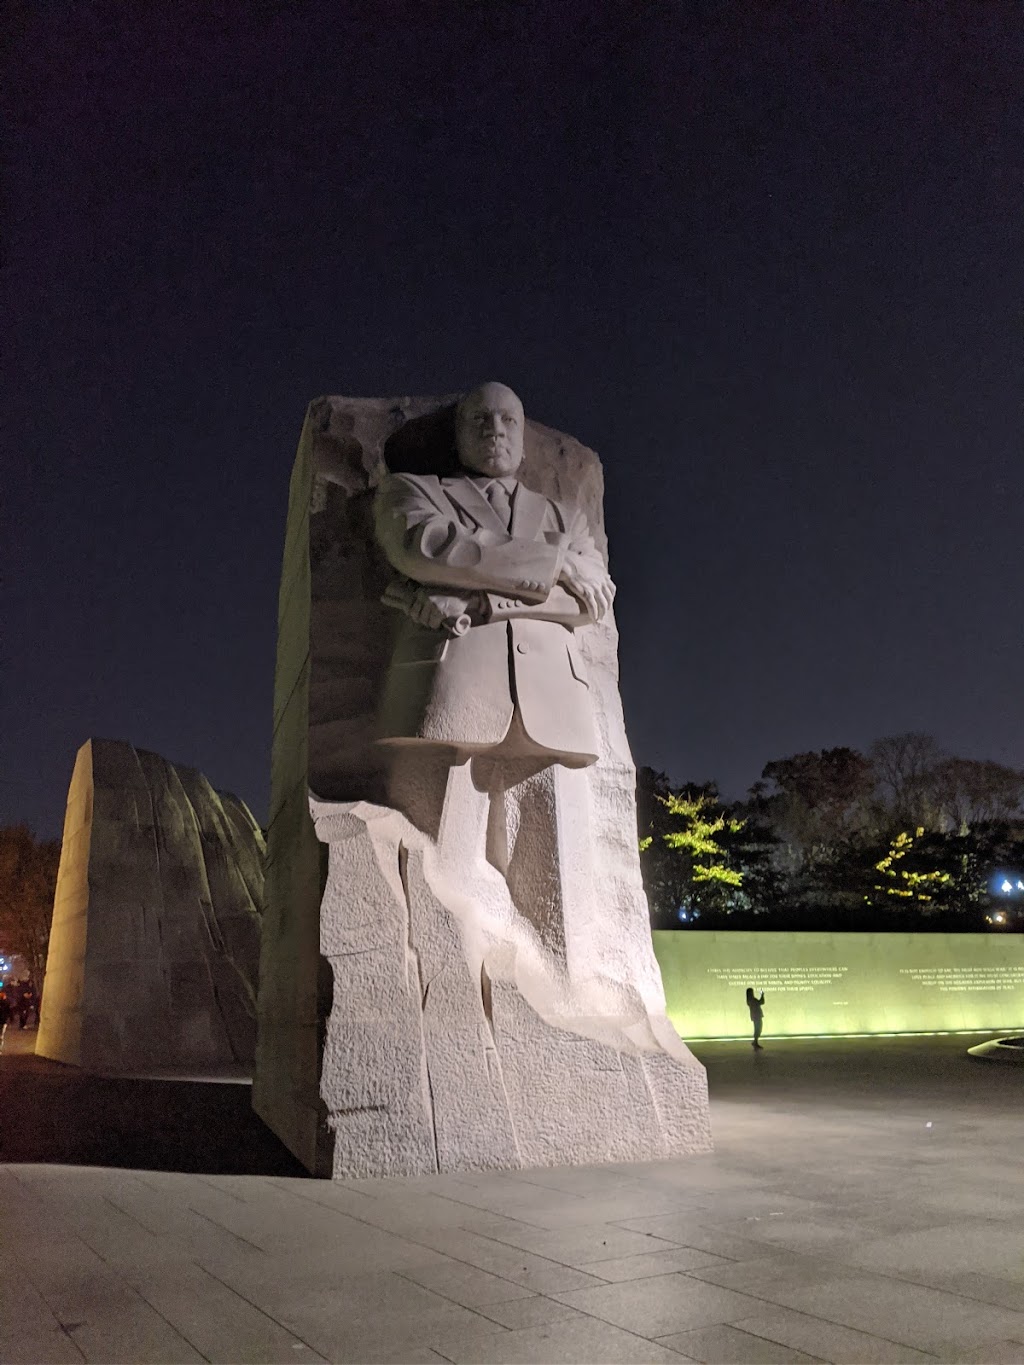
x=702 y=819
x=841 y=839
x=692 y=850
x=904 y=881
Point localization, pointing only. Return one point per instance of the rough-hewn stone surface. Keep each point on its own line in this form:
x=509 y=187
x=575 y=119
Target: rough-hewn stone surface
x=154 y=948
x=446 y=1046
x=429 y=1066
x=333 y=646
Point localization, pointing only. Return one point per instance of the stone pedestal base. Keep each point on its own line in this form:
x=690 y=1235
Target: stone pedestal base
x=445 y=1051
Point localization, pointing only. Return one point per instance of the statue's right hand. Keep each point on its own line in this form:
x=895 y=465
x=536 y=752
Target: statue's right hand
x=433 y=610
x=436 y=611
x=425 y=611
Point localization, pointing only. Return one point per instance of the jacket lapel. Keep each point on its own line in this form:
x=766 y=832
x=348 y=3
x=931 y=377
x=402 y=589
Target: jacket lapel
x=528 y=509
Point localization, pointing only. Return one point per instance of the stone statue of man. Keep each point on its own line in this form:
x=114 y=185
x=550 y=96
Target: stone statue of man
x=487 y=713
x=496 y=1001
x=494 y=581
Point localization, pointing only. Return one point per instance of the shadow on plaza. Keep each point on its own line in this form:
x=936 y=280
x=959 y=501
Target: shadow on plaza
x=52 y=1113
x=810 y=1075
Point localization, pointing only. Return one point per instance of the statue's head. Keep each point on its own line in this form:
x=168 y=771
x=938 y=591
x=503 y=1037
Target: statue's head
x=489 y=425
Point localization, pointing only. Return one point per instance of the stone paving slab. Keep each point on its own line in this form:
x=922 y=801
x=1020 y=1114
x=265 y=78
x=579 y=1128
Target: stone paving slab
x=733 y=1346
x=824 y=1340
x=861 y=1206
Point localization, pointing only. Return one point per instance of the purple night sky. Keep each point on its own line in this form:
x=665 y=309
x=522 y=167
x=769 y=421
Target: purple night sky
x=767 y=259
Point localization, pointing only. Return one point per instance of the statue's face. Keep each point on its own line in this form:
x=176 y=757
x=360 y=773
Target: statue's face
x=489 y=426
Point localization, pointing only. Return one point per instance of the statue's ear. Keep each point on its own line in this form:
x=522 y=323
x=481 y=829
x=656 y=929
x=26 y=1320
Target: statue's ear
x=424 y=445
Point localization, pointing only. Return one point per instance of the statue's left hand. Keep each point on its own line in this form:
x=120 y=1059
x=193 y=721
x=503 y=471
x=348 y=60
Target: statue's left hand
x=589 y=582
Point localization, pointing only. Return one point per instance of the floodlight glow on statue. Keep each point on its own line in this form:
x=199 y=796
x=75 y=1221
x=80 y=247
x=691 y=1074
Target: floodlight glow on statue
x=511 y=575
x=495 y=997
x=488 y=715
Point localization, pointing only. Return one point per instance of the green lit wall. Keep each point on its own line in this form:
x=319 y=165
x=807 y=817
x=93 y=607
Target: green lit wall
x=841 y=983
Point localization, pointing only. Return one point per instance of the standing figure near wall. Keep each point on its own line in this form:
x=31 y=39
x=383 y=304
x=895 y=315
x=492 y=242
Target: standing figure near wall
x=755 y=1004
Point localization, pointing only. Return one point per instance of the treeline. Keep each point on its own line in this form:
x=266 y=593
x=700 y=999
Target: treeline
x=903 y=836
x=28 y=879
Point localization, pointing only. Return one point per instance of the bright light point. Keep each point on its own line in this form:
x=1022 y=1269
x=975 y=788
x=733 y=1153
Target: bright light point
x=999 y=917
x=928 y=1124
x=1006 y=887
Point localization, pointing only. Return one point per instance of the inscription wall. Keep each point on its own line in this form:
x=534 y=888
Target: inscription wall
x=841 y=983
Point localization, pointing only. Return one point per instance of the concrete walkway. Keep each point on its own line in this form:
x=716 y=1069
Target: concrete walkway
x=865 y=1203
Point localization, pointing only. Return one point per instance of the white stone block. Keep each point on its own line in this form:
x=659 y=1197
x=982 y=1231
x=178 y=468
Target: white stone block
x=496 y=1000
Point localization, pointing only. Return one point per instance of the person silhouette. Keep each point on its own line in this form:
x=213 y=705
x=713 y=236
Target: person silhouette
x=755 y=1004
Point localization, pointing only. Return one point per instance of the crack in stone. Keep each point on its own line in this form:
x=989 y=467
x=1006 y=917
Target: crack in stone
x=486 y=1000
x=413 y=957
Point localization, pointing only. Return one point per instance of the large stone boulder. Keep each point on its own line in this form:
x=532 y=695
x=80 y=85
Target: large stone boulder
x=393 y=1037
x=154 y=948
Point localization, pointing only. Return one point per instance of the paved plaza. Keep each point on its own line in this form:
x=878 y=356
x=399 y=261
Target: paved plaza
x=864 y=1203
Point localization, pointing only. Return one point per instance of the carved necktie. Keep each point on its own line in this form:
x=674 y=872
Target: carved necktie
x=500 y=499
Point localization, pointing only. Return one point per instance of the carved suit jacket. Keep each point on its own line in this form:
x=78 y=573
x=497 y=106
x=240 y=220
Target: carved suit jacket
x=442 y=533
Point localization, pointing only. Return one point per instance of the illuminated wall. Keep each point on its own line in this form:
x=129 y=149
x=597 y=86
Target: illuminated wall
x=841 y=983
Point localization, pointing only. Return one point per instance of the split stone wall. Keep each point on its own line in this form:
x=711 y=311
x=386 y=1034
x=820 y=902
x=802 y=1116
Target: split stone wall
x=154 y=947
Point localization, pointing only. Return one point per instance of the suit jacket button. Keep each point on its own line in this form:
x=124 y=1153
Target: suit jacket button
x=520 y=649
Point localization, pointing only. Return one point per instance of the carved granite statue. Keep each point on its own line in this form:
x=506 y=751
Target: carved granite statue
x=505 y=577
x=496 y=1001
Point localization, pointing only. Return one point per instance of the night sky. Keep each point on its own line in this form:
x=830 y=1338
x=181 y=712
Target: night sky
x=767 y=259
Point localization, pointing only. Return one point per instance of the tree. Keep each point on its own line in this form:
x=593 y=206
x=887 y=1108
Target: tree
x=818 y=804
x=28 y=880
x=664 y=875
x=905 y=768
x=702 y=821
x=687 y=847
x=816 y=797
x=909 y=831
x=968 y=792
x=918 y=785
x=908 y=872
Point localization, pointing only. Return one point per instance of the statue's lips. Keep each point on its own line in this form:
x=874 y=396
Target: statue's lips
x=494 y=458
